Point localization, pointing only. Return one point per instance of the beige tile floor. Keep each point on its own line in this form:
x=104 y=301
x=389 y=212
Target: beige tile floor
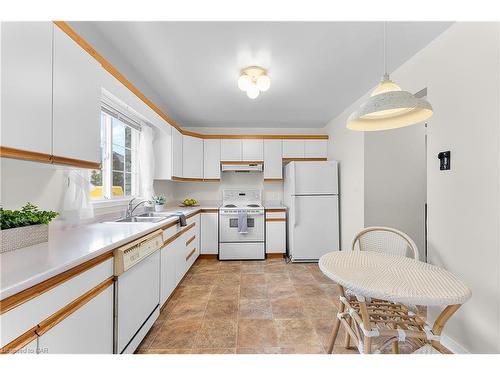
x=248 y=307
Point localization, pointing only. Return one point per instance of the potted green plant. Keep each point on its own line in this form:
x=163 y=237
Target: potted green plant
x=25 y=227
x=159 y=202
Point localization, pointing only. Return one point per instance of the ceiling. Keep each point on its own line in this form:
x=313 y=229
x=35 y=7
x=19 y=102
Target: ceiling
x=317 y=69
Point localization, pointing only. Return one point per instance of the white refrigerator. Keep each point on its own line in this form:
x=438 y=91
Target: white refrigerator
x=311 y=195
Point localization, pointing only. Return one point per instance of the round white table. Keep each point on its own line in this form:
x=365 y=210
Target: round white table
x=385 y=283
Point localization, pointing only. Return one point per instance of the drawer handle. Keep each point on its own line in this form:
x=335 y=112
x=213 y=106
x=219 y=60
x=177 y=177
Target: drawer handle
x=190 y=240
x=191 y=254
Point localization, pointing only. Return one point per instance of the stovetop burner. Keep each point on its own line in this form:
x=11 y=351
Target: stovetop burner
x=230 y=205
x=253 y=205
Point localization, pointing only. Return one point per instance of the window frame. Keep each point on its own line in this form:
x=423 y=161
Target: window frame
x=107 y=167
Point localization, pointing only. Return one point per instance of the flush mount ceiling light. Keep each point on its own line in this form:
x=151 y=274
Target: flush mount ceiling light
x=253 y=80
x=389 y=107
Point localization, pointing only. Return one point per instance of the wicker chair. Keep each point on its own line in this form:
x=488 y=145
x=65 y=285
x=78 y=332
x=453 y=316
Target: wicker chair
x=384 y=240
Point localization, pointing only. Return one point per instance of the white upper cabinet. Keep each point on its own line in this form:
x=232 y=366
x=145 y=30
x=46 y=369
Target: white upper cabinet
x=316 y=148
x=163 y=153
x=26 y=77
x=76 y=101
x=176 y=153
x=230 y=150
x=293 y=148
x=192 y=157
x=211 y=158
x=273 y=165
x=252 y=149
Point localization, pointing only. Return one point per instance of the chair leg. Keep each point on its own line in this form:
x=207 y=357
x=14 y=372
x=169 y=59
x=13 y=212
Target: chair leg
x=347 y=339
x=333 y=336
x=395 y=347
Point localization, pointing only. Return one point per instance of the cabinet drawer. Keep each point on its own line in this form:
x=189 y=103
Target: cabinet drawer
x=275 y=215
x=27 y=315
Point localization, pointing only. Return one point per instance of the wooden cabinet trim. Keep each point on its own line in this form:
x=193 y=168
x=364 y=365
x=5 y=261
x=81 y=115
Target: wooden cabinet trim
x=190 y=254
x=24 y=296
x=14 y=153
x=190 y=240
x=233 y=162
x=285 y=160
x=273 y=179
x=178 y=234
x=121 y=78
x=275 y=255
x=275 y=209
x=75 y=162
x=20 y=342
x=275 y=219
x=69 y=309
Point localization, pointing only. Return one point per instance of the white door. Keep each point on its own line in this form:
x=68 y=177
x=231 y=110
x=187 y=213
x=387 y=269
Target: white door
x=252 y=149
x=209 y=233
x=89 y=330
x=167 y=273
x=76 y=101
x=26 y=79
x=293 y=148
x=314 y=226
x=230 y=149
x=316 y=148
x=273 y=163
x=211 y=159
x=176 y=153
x=315 y=177
x=192 y=157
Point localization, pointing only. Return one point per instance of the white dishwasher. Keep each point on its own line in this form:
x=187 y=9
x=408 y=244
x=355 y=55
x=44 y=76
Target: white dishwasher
x=137 y=291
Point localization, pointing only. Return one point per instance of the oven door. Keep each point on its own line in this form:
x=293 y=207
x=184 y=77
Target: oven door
x=228 y=227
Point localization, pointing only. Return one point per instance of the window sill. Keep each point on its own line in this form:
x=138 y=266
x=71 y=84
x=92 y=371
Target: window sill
x=108 y=203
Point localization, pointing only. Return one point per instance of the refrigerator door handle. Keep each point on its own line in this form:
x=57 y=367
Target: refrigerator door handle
x=295 y=211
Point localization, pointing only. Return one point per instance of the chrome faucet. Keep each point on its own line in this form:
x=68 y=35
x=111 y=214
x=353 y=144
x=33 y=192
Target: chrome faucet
x=130 y=209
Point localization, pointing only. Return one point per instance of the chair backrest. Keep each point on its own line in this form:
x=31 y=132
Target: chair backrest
x=385 y=240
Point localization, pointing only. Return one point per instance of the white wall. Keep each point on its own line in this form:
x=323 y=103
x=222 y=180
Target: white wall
x=346 y=146
x=461 y=69
x=395 y=181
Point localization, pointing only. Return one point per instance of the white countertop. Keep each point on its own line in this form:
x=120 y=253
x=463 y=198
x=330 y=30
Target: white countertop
x=67 y=248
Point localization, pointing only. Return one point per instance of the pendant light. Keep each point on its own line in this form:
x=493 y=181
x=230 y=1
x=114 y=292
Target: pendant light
x=389 y=107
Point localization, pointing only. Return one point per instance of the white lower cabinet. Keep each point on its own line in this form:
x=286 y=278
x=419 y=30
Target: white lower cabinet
x=209 y=243
x=275 y=232
x=87 y=330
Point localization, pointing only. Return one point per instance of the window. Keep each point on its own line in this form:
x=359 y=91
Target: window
x=117 y=177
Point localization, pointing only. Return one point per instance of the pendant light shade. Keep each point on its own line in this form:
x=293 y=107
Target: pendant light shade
x=389 y=107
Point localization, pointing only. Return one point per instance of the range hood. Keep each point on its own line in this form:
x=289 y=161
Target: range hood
x=241 y=167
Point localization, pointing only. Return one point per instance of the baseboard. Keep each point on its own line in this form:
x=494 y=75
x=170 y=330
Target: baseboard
x=275 y=255
x=452 y=345
x=207 y=256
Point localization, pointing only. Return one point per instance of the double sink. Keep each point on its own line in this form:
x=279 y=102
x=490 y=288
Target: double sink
x=148 y=217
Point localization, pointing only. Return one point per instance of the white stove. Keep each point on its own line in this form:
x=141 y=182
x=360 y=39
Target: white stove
x=241 y=225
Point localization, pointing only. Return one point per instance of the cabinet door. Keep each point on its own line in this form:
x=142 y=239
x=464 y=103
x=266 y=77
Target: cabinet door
x=192 y=157
x=176 y=153
x=87 y=330
x=26 y=86
x=209 y=233
x=76 y=101
x=230 y=150
x=293 y=148
x=252 y=149
x=167 y=272
x=275 y=237
x=316 y=148
x=163 y=153
x=211 y=158
x=273 y=163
